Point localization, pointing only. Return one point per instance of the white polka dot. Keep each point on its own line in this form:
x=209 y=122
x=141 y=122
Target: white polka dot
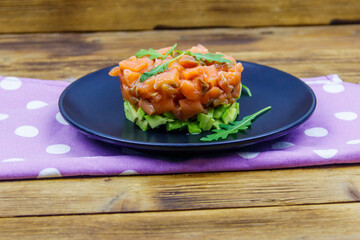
x=58 y=149
x=248 y=155
x=355 y=141
x=129 y=172
x=10 y=83
x=347 y=116
x=27 y=131
x=60 y=119
x=335 y=78
x=326 y=153
x=281 y=145
x=35 y=104
x=333 y=88
x=14 y=160
x=49 y=172
x=316 y=132
x=3 y=116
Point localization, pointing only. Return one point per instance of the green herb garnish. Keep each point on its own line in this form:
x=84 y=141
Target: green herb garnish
x=153 y=54
x=210 y=57
x=171 y=51
x=247 y=90
x=233 y=127
x=159 y=69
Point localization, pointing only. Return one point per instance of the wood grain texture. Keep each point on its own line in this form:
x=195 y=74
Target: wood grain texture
x=333 y=221
x=91 y=15
x=180 y=192
x=301 y=51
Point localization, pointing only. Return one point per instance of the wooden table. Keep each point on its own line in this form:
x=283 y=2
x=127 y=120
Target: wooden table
x=303 y=203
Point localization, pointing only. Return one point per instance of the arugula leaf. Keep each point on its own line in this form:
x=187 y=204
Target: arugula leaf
x=233 y=127
x=210 y=57
x=153 y=54
x=247 y=90
x=159 y=69
x=171 y=51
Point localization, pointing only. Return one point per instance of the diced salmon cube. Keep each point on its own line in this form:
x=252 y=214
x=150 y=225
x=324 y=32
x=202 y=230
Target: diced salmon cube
x=209 y=74
x=146 y=88
x=188 y=61
x=224 y=84
x=191 y=73
x=115 y=71
x=236 y=91
x=239 y=67
x=125 y=91
x=170 y=78
x=164 y=105
x=191 y=89
x=130 y=77
x=176 y=65
x=211 y=95
x=147 y=107
x=135 y=64
x=199 y=49
x=169 y=91
x=190 y=108
x=233 y=78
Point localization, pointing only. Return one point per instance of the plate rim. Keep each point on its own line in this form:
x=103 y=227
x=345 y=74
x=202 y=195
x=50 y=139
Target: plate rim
x=149 y=145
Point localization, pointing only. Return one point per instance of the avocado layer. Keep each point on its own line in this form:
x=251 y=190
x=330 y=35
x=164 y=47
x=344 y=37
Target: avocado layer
x=203 y=122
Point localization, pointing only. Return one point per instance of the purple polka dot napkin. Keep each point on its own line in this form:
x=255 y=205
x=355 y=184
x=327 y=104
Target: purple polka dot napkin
x=36 y=142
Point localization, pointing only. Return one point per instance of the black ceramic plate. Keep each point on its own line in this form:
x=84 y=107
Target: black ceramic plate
x=93 y=104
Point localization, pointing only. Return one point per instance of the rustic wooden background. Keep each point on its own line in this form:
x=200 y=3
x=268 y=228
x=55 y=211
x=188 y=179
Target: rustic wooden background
x=109 y=15
x=301 y=51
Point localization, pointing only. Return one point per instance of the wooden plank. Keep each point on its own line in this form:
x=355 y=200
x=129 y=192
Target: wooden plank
x=85 y=15
x=334 y=221
x=302 y=51
x=180 y=192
